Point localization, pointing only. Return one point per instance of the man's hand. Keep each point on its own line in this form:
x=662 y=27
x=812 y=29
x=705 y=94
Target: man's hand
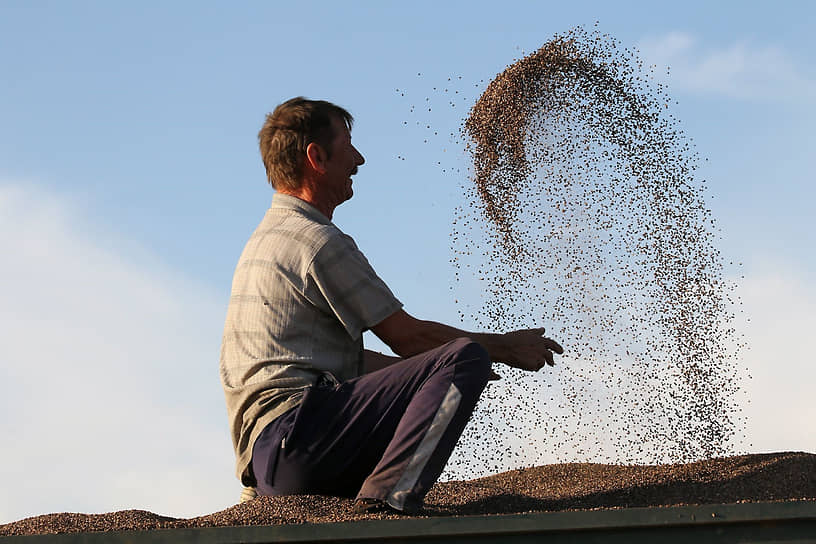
x=528 y=349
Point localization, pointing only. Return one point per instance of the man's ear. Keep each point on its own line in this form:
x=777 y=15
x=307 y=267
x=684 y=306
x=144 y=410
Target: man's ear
x=316 y=157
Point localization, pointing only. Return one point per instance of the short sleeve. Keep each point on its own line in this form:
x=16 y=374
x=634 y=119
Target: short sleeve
x=347 y=285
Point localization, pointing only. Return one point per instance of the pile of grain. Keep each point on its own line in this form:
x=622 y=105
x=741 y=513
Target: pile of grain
x=585 y=216
x=768 y=477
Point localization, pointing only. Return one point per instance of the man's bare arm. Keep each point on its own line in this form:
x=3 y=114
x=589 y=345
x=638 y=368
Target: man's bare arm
x=525 y=349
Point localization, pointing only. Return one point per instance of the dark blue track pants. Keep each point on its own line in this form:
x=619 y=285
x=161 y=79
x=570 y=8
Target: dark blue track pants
x=385 y=435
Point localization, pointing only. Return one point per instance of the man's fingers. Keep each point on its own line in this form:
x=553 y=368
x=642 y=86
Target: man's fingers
x=548 y=357
x=550 y=343
x=536 y=358
x=554 y=346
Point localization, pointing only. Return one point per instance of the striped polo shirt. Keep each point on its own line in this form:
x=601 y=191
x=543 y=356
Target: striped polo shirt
x=302 y=295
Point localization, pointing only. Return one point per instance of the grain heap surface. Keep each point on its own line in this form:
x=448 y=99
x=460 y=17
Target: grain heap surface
x=584 y=216
x=575 y=486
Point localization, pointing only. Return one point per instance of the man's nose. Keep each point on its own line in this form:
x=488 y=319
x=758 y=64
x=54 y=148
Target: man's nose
x=360 y=158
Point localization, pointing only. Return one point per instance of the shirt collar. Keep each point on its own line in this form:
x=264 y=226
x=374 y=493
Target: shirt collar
x=289 y=202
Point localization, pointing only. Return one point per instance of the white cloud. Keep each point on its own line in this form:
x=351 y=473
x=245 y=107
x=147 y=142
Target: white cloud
x=108 y=373
x=741 y=70
x=779 y=299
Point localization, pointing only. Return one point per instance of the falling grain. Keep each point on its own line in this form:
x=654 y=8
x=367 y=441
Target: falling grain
x=584 y=215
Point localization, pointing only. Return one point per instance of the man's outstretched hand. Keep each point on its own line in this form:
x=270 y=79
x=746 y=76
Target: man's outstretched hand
x=527 y=349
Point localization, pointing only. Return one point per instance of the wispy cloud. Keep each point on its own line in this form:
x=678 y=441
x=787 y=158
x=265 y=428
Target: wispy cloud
x=108 y=373
x=741 y=70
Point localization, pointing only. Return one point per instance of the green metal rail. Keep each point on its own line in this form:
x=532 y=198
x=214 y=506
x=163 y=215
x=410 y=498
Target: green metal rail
x=770 y=522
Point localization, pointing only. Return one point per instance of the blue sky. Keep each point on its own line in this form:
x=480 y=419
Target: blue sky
x=130 y=180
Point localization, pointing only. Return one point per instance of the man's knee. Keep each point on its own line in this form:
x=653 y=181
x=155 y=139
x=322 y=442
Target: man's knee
x=473 y=354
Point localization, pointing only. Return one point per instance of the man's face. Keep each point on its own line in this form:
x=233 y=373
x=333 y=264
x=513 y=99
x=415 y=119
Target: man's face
x=342 y=165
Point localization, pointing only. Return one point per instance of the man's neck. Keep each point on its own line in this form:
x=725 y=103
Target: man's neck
x=310 y=197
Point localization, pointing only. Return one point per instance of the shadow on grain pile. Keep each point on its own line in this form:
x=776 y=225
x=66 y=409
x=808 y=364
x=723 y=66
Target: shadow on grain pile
x=575 y=486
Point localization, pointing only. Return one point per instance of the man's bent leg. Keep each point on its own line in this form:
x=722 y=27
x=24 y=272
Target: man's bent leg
x=430 y=427
x=395 y=426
